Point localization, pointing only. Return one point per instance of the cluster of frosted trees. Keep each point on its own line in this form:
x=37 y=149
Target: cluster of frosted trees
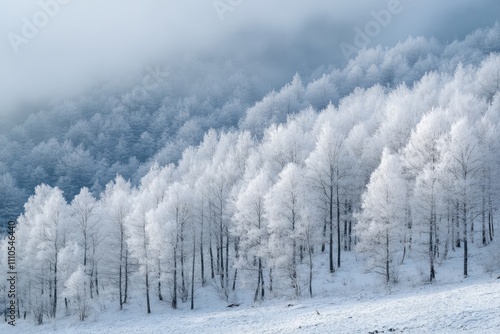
x=120 y=128
x=389 y=174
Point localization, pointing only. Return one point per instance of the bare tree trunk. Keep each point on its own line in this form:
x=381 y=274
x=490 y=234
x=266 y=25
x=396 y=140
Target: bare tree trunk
x=147 y=291
x=120 y=272
x=332 y=270
x=295 y=284
x=324 y=236
x=160 y=295
x=466 y=254
x=472 y=231
x=227 y=259
x=310 y=268
x=490 y=218
x=432 y=274
x=345 y=226
x=271 y=279
x=192 y=271
x=211 y=257
x=237 y=254
x=338 y=228
x=387 y=255
x=91 y=281
x=260 y=282
x=54 y=306
x=483 y=220
x=202 y=259
x=174 y=285
x=458 y=225
x=145 y=246
x=126 y=277
x=184 y=293
x=256 y=295
x=120 y=286
x=490 y=224
x=437 y=241
x=96 y=281
x=221 y=251
x=350 y=225
x=452 y=219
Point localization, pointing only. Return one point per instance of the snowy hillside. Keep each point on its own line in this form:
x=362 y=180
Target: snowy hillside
x=469 y=307
x=320 y=167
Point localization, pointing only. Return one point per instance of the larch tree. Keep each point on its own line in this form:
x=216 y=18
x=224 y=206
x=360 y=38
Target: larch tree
x=288 y=143
x=381 y=222
x=136 y=236
x=116 y=207
x=85 y=214
x=193 y=166
x=427 y=214
x=284 y=206
x=489 y=140
x=31 y=286
x=156 y=183
x=460 y=165
x=167 y=226
x=250 y=224
x=221 y=175
x=45 y=214
x=146 y=198
x=420 y=159
x=330 y=167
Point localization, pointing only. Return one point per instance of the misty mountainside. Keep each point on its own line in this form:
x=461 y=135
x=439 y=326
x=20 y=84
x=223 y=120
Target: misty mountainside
x=122 y=127
x=386 y=170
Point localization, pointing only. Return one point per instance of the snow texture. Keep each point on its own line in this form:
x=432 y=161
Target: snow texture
x=470 y=307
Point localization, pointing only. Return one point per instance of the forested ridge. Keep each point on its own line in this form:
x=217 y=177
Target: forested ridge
x=394 y=157
x=122 y=127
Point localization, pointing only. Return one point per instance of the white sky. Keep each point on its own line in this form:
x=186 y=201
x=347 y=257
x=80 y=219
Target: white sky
x=88 y=40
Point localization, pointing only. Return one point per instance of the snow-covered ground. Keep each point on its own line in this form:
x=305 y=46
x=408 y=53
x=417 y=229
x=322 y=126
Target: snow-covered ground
x=350 y=301
x=471 y=306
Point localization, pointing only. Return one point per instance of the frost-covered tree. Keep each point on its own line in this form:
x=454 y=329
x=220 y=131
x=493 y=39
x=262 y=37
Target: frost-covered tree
x=330 y=167
x=157 y=180
x=381 y=223
x=275 y=106
x=250 y=224
x=285 y=205
x=426 y=213
x=420 y=159
x=150 y=193
x=322 y=91
x=85 y=214
x=288 y=143
x=76 y=289
x=116 y=207
x=167 y=227
x=225 y=168
x=137 y=239
x=460 y=165
x=46 y=214
x=489 y=140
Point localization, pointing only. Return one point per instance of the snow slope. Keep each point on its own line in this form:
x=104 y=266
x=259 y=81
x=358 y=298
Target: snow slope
x=472 y=306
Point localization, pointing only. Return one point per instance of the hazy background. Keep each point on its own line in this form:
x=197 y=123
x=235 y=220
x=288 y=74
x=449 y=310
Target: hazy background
x=91 y=41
